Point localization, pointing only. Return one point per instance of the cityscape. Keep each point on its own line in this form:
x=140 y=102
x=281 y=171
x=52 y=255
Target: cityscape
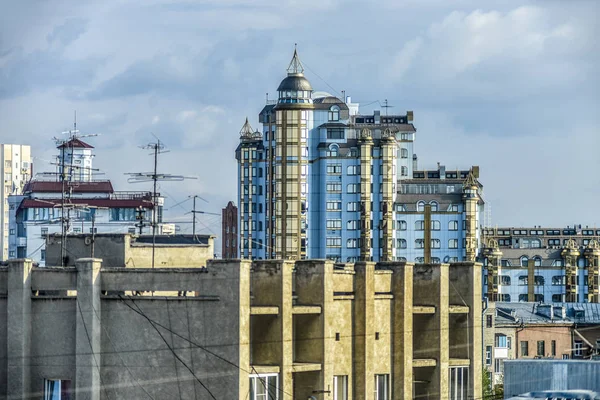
x=315 y=223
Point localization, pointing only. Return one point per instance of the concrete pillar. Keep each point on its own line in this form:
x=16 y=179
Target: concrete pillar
x=18 y=320
x=243 y=282
x=364 y=330
x=402 y=331
x=88 y=330
x=427 y=234
x=531 y=280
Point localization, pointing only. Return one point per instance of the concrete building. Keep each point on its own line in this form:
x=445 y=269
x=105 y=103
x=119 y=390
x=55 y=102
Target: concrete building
x=556 y=375
x=229 y=232
x=122 y=250
x=71 y=199
x=322 y=180
x=16 y=167
x=528 y=330
x=276 y=329
x=541 y=264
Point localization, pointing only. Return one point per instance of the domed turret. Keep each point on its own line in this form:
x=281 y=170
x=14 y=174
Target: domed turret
x=295 y=88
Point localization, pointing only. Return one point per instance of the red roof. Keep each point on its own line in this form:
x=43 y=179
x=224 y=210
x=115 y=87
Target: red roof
x=76 y=143
x=78 y=187
x=109 y=203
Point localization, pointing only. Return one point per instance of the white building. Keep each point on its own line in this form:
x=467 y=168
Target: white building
x=77 y=202
x=15 y=165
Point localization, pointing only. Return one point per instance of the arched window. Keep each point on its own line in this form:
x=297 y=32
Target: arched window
x=419 y=244
x=419 y=259
x=435 y=260
x=536 y=243
x=524 y=261
x=333 y=151
x=453 y=225
x=401 y=225
x=403 y=153
x=435 y=225
x=334 y=113
x=537 y=261
x=403 y=171
x=419 y=225
x=401 y=259
x=400 y=243
x=421 y=206
x=434 y=205
x=435 y=243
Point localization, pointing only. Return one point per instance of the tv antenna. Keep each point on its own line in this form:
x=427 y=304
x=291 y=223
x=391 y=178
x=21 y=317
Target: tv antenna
x=157 y=148
x=386 y=106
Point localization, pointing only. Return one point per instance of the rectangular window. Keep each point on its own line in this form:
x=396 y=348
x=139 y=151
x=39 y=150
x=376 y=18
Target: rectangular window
x=353 y=170
x=524 y=349
x=488 y=321
x=334 y=187
x=501 y=341
x=353 y=188
x=340 y=387
x=488 y=355
x=382 y=387
x=553 y=347
x=334 y=169
x=541 y=348
x=578 y=348
x=334 y=242
x=498 y=365
x=264 y=387
x=334 y=224
x=459 y=383
x=57 y=389
x=335 y=133
x=334 y=206
x=353 y=206
x=453 y=244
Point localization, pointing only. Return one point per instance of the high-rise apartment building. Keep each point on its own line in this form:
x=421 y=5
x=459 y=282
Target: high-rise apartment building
x=15 y=162
x=229 y=231
x=322 y=180
x=542 y=264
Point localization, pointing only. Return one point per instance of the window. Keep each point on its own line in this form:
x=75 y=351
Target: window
x=56 y=389
x=558 y=280
x=459 y=383
x=419 y=225
x=334 y=187
x=488 y=321
x=264 y=387
x=122 y=214
x=578 y=348
x=557 y=298
x=598 y=346
x=403 y=171
x=453 y=208
x=334 y=206
x=353 y=225
x=541 y=348
x=334 y=169
x=44 y=231
x=353 y=206
x=335 y=133
x=505 y=280
x=332 y=151
x=435 y=225
x=524 y=349
x=498 y=366
x=453 y=243
x=334 y=113
x=420 y=206
x=553 y=347
x=334 y=224
x=42 y=255
x=401 y=225
x=524 y=261
x=453 y=225
x=435 y=243
x=400 y=243
x=500 y=341
x=353 y=170
x=419 y=244
x=382 y=387
x=403 y=153
x=340 y=387
x=537 y=260
x=353 y=188
x=488 y=355
x=434 y=205
x=131 y=231
x=334 y=242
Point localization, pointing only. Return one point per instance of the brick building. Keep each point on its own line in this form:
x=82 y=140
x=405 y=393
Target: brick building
x=229 y=232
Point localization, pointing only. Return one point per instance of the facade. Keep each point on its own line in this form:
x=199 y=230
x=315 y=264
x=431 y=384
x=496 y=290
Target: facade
x=529 y=330
x=124 y=250
x=16 y=167
x=542 y=264
x=567 y=379
x=75 y=202
x=322 y=180
x=276 y=329
x=229 y=232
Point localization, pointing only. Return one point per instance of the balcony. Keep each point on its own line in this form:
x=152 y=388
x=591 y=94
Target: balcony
x=501 y=352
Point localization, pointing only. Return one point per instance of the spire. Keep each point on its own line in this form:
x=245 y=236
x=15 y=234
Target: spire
x=246 y=129
x=295 y=66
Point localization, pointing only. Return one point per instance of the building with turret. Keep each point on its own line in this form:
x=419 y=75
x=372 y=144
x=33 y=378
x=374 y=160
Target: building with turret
x=320 y=179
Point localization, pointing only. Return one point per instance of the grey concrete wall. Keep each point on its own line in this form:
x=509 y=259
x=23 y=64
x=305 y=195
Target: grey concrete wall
x=522 y=376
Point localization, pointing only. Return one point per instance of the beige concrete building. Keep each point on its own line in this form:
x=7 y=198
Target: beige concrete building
x=15 y=166
x=133 y=251
x=254 y=330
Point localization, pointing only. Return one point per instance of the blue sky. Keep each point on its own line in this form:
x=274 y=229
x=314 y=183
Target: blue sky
x=511 y=86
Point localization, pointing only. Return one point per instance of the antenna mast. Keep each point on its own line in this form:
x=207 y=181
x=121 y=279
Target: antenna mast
x=386 y=106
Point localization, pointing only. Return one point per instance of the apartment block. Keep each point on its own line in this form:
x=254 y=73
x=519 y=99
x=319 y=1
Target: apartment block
x=277 y=329
x=229 y=232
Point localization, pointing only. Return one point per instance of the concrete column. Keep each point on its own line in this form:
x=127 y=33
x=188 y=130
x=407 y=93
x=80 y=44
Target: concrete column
x=364 y=331
x=531 y=280
x=18 y=320
x=88 y=330
x=402 y=331
x=244 y=324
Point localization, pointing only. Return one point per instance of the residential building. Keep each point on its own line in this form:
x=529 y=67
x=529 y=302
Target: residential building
x=541 y=264
x=229 y=232
x=16 y=167
x=527 y=330
x=322 y=180
x=277 y=329
x=124 y=250
x=71 y=202
x=568 y=379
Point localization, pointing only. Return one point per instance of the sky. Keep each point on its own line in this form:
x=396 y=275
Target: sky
x=511 y=86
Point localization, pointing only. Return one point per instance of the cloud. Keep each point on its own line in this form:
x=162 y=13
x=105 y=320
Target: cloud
x=68 y=32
